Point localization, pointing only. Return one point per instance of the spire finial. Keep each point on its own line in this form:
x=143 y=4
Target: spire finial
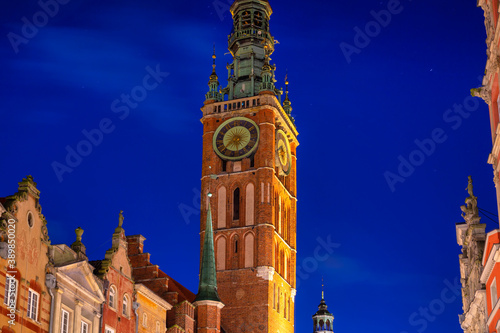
x=322 y=289
x=77 y=245
x=214 y=57
x=286 y=84
x=287 y=105
x=79 y=233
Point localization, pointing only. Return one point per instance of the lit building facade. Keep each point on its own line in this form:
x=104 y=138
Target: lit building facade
x=78 y=293
x=481 y=309
x=151 y=312
x=25 y=300
x=248 y=227
x=471 y=237
x=115 y=271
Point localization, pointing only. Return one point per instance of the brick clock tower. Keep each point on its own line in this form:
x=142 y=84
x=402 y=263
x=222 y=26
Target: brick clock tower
x=249 y=165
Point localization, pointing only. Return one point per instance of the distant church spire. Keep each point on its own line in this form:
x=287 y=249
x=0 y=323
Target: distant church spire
x=322 y=289
x=207 y=290
x=322 y=319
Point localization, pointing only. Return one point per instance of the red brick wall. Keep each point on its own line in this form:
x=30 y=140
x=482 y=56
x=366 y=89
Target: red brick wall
x=246 y=296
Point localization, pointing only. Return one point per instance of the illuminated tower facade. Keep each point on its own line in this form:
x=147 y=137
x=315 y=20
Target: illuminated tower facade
x=249 y=165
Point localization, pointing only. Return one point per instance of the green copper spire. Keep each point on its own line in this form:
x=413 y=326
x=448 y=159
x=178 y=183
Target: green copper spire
x=213 y=94
x=207 y=290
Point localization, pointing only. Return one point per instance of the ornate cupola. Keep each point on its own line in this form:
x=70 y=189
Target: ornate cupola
x=322 y=319
x=251 y=45
x=213 y=95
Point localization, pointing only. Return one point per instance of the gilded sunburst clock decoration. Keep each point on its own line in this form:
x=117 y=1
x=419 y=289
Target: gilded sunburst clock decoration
x=283 y=153
x=236 y=138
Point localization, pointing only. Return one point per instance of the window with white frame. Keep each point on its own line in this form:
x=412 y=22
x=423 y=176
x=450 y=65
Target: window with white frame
x=64 y=321
x=109 y=330
x=84 y=328
x=33 y=299
x=10 y=298
x=144 y=320
x=493 y=293
x=112 y=297
x=125 y=306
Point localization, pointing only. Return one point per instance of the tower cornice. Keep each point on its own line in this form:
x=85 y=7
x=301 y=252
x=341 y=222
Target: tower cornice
x=244 y=106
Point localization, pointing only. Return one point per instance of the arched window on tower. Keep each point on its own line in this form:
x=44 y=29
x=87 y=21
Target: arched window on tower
x=278 y=209
x=249 y=250
x=284 y=305
x=282 y=263
x=274 y=296
x=276 y=257
x=221 y=253
x=221 y=207
x=285 y=267
x=249 y=204
x=236 y=204
x=279 y=297
x=235 y=257
x=288 y=308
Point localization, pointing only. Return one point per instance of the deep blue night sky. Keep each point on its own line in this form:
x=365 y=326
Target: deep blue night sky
x=392 y=251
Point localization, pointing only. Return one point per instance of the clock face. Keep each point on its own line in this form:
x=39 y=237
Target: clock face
x=236 y=138
x=283 y=153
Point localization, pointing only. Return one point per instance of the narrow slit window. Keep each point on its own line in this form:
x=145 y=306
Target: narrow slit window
x=236 y=204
